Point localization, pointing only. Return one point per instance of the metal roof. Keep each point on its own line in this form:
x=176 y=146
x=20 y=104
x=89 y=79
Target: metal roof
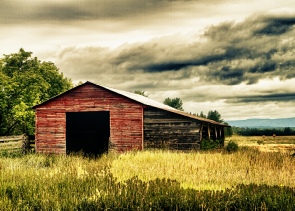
x=145 y=101
x=149 y=102
x=140 y=98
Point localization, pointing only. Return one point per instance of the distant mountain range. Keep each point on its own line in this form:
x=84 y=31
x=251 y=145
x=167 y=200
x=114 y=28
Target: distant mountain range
x=263 y=123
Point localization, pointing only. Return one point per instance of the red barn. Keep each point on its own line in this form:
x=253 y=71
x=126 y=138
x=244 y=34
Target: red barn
x=95 y=119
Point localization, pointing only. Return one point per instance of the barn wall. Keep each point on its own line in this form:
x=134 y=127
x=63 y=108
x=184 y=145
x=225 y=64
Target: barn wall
x=170 y=130
x=125 y=118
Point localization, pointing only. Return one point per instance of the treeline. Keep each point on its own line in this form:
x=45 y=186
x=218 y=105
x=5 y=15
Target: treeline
x=287 y=131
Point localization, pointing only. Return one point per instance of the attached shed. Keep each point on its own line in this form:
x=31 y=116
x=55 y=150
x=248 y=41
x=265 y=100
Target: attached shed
x=95 y=119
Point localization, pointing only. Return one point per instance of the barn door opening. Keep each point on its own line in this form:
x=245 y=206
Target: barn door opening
x=88 y=132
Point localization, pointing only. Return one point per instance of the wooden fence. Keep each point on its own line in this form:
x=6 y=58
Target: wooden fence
x=21 y=143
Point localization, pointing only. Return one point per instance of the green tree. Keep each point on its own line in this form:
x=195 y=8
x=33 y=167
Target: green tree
x=214 y=115
x=141 y=93
x=202 y=115
x=228 y=131
x=287 y=131
x=175 y=103
x=24 y=82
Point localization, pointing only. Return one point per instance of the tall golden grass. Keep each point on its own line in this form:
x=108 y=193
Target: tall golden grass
x=285 y=144
x=44 y=181
x=213 y=170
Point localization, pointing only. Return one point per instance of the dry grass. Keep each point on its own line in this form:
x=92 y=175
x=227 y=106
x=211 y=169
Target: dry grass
x=40 y=182
x=198 y=170
x=265 y=160
x=285 y=144
x=208 y=170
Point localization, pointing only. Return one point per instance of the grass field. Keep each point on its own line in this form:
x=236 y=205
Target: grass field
x=285 y=144
x=43 y=182
x=213 y=171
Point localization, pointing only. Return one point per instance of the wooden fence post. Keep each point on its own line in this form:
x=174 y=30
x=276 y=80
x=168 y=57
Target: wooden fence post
x=25 y=144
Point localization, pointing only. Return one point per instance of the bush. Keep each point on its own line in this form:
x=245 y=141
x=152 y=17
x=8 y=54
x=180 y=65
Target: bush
x=10 y=154
x=232 y=146
x=208 y=144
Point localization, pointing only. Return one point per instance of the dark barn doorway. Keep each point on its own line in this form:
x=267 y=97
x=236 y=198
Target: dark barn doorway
x=88 y=132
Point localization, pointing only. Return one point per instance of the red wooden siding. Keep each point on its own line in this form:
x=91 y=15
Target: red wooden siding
x=126 y=128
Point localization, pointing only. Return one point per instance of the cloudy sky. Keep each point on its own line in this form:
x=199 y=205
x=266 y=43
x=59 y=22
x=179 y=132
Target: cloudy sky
x=233 y=56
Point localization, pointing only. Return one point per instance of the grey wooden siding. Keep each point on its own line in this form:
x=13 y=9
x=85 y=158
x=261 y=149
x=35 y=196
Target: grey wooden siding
x=163 y=129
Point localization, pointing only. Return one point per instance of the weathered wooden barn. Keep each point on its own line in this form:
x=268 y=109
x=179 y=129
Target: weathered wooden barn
x=95 y=119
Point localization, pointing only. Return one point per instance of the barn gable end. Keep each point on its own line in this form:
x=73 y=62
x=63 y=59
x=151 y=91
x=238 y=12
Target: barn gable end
x=125 y=118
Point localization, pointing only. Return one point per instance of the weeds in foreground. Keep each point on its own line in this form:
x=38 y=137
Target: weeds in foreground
x=149 y=180
x=40 y=182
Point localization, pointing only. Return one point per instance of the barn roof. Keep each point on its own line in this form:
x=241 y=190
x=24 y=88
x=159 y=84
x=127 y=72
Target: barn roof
x=143 y=100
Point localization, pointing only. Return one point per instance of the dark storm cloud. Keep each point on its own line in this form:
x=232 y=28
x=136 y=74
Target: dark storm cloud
x=16 y=11
x=268 y=66
x=276 y=26
x=157 y=57
x=180 y=65
x=230 y=76
x=203 y=60
x=59 y=12
x=23 y=11
x=232 y=53
x=281 y=97
x=166 y=66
